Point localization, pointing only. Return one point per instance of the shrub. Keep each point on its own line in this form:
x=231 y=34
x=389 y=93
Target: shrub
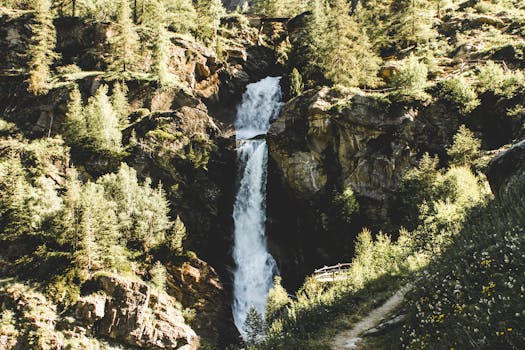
x=346 y=204
x=492 y=77
x=412 y=77
x=459 y=92
x=465 y=149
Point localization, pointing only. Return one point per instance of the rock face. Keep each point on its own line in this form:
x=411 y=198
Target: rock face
x=324 y=142
x=127 y=311
x=135 y=315
x=507 y=168
x=198 y=287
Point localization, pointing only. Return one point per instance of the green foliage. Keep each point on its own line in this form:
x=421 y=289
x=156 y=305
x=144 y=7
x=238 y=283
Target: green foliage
x=347 y=56
x=177 y=237
x=412 y=22
x=470 y=297
x=465 y=149
x=296 y=83
x=416 y=187
x=459 y=92
x=346 y=204
x=119 y=102
x=102 y=122
x=41 y=48
x=142 y=211
x=159 y=277
x=161 y=58
x=209 y=13
x=253 y=326
x=492 y=77
x=411 y=79
x=124 y=42
x=183 y=16
x=277 y=301
x=96 y=125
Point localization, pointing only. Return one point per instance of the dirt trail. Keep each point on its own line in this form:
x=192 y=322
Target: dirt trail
x=349 y=339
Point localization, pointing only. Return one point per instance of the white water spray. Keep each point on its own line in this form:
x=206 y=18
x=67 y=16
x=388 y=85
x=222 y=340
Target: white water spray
x=255 y=267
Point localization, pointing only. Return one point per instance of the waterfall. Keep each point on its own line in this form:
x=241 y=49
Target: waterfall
x=255 y=267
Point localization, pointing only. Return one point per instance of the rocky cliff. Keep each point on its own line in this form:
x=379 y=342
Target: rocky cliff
x=179 y=136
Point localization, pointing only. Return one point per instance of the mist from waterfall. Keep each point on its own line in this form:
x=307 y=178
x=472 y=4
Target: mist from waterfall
x=255 y=267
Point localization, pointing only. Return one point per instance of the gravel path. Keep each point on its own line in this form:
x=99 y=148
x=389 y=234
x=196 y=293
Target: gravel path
x=349 y=339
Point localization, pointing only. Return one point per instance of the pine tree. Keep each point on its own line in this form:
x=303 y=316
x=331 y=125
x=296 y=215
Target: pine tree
x=253 y=326
x=41 y=49
x=161 y=57
x=103 y=122
x=125 y=42
x=119 y=101
x=209 y=13
x=348 y=56
x=296 y=83
x=159 y=277
x=412 y=22
x=75 y=122
x=277 y=300
x=465 y=149
x=178 y=236
x=72 y=213
x=99 y=247
x=313 y=44
x=183 y=16
x=142 y=211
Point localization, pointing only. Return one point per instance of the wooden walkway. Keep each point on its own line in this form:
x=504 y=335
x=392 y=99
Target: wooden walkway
x=339 y=272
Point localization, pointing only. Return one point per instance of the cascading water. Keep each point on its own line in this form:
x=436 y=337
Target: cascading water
x=255 y=267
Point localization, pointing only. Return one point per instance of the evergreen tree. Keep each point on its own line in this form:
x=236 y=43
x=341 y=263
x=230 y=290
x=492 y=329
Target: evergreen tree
x=348 y=56
x=75 y=122
x=308 y=51
x=296 y=83
x=183 y=16
x=103 y=122
x=277 y=300
x=412 y=22
x=124 y=43
x=142 y=211
x=465 y=149
x=209 y=13
x=41 y=49
x=119 y=101
x=71 y=217
x=99 y=247
x=411 y=77
x=159 y=277
x=161 y=57
x=253 y=326
x=178 y=236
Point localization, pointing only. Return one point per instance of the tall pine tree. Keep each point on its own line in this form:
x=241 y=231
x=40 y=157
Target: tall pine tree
x=124 y=43
x=348 y=57
x=41 y=49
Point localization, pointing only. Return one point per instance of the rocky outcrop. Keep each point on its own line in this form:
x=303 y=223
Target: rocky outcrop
x=136 y=315
x=124 y=310
x=198 y=288
x=326 y=141
x=507 y=168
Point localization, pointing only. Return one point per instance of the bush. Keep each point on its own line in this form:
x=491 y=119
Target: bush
x=459 y=92
x=466 y=148
x=492 y=77
x=411 y=79
x=346 y=204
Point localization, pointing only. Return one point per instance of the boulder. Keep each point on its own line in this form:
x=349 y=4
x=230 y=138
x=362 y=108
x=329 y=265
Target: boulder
x=507 y=168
